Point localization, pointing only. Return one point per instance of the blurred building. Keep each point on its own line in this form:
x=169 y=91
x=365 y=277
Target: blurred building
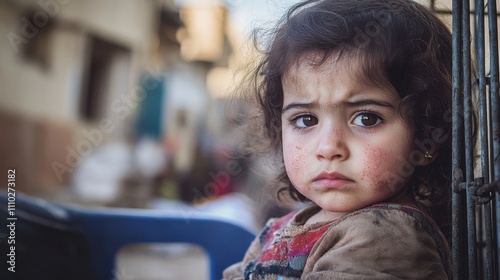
x=77 y=75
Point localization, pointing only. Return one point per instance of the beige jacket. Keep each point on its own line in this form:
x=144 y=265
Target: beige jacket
x=385 y=241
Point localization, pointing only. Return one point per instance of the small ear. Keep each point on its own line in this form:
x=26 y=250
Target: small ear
x=427 y=158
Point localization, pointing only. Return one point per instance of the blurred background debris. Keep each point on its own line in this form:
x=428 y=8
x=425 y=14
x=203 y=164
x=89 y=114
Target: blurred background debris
x=124 y=104
x=116 y=103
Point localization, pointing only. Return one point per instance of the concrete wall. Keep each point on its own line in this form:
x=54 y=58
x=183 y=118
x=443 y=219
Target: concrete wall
x=43 y=99
x=53 y=93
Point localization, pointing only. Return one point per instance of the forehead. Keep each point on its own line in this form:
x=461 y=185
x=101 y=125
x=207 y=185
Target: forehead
x=312 y=62
x=333 y=81
x=355 y=65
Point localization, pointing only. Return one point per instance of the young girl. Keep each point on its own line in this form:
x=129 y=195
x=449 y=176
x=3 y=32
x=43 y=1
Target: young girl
x=356 y=94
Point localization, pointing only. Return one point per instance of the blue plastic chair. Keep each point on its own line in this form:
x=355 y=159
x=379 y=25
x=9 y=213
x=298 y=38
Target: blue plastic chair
x=107 y=230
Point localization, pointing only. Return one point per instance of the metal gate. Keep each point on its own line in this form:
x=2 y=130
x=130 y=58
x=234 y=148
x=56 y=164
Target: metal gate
x=476 y=186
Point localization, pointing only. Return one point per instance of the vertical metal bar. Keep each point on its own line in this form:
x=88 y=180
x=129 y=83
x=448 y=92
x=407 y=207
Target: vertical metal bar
x=456 y=244
x=480 y=242
x=483 y=117
x=495 y=115
x=469 y=171
x=490 y=263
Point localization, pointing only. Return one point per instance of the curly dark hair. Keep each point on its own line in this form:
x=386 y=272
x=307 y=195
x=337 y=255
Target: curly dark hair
x=394 y=41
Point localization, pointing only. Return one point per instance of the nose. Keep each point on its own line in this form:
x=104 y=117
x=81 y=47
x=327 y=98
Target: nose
x=332 y=143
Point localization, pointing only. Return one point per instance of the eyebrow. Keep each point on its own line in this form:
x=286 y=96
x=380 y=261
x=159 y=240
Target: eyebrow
x=359 y=103
x=365 y=102
x=299 y=106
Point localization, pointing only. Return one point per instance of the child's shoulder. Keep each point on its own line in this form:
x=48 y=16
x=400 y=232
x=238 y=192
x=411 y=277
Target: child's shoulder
x=393 y=215
x=397 y=239
x=389 y=218
x=376 y=212
x=393 y=210
x=390 y=224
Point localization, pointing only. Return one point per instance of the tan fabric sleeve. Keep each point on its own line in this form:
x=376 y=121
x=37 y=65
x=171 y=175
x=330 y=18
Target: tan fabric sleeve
x=375 y=244
x=235 y=271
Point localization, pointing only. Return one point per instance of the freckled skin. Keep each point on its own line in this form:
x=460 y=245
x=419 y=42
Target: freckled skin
x=368 y=150
x=375 y=157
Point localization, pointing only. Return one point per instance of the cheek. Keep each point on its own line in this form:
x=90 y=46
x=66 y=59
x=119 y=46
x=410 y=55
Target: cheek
x=375 y=159
x=386 y=169
x=376 y=167
x=294 y=158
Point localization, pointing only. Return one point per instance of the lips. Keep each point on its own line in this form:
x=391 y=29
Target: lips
x=332 y=180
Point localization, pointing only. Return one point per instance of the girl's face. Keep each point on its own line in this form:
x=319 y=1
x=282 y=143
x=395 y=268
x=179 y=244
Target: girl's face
x=345 y=146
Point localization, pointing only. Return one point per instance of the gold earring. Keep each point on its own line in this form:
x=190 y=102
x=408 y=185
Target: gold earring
x=427 y=155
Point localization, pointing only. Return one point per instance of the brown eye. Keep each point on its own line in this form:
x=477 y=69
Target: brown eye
x=306 y=121
x=367 y=120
